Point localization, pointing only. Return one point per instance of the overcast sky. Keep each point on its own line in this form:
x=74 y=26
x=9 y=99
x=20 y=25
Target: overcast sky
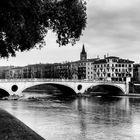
x=113 y=27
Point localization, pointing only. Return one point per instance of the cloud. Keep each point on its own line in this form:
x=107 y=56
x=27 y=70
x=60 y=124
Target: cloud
x=114 y=24
x=113 y=27
x=112 y=5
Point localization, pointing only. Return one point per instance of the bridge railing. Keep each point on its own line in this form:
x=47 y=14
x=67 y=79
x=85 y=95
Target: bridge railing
x=60 y=80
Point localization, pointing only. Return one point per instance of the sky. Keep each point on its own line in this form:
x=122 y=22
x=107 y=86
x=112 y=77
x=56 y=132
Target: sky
x=113 y=27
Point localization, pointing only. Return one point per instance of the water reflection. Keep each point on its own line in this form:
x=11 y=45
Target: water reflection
x=105 y=118
x=100 y=118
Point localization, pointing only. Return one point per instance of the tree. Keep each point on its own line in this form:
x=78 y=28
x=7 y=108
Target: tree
x=24 y=23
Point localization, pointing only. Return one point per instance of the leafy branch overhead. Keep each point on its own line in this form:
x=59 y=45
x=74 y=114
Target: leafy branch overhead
x=24 y=23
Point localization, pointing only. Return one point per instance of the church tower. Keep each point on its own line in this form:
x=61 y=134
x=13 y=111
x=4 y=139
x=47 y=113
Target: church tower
x=83 y=54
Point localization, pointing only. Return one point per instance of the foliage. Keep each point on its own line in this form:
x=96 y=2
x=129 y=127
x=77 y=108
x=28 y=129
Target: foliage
x=24 y=23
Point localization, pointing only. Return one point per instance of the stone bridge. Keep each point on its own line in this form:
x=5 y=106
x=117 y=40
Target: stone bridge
x=17 y=86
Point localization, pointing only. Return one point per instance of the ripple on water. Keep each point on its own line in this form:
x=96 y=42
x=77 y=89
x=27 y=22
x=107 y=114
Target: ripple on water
x=80 y=118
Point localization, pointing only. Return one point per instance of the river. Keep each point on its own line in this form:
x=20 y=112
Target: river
x=87 y=118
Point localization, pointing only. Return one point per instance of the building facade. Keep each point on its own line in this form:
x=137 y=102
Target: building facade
x=109 y=68
x=136 y=71
x=4 y=70
x=89 y=68
x=83 y=68
x=112 y=68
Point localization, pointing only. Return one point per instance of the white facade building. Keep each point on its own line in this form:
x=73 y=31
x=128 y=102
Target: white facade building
x=89 y=68
x=112 y=68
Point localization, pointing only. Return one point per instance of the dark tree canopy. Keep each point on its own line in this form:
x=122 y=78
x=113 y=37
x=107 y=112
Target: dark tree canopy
x=24 y=23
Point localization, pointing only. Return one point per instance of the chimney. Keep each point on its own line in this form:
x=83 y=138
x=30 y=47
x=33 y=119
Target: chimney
x=107 y=54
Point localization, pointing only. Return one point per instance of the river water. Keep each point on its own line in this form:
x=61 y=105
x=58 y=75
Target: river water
x=87 y=118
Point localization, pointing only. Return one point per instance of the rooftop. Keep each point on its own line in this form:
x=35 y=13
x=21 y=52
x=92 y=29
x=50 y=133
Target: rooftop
x=119 y=60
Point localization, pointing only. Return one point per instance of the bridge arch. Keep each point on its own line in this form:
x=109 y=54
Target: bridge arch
x=65 y=89
x=4 y=93
x=105 y=89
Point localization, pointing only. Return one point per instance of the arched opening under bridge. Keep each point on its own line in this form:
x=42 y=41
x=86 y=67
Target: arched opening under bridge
x=104 y=90
x=50 y=89
x=3 y=93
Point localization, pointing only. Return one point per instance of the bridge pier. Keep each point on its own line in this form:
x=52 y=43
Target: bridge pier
x=127 y=85
x=127 y=88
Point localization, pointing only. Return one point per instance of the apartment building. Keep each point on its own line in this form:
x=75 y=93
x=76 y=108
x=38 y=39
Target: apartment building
x=112 y=68
x=136 y=71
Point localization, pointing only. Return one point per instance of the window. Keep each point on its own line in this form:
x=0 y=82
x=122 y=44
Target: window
x=108 y=75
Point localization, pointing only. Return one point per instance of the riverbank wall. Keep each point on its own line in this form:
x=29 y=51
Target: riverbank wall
x=13 y=129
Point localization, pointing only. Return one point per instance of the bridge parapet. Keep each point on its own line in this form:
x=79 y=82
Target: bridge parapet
x=58 y=80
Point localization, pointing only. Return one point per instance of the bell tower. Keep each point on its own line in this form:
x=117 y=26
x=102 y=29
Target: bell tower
x=83 y=54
